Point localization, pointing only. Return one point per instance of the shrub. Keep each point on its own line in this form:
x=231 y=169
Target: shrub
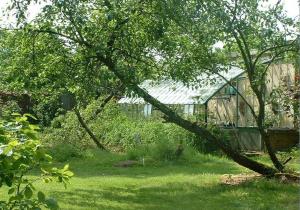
x=64 y=152
x=119 y=132
x=164 y=151
x=138 y=152
x=20 y=152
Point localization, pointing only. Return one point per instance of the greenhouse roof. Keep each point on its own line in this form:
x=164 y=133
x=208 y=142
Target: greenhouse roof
x=174 y=92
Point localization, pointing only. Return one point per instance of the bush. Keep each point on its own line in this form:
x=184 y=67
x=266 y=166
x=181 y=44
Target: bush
x=138 y=152
x=164 y=151
x=119 y=132
x=20 y=153
x=205 y=146
x=64 y=152
x=65 y=138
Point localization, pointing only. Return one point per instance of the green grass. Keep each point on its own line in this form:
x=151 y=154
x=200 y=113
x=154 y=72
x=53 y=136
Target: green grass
x=182 y=185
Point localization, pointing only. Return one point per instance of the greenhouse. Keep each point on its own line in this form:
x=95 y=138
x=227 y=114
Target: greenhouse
x=192 y=100
x=213 y=100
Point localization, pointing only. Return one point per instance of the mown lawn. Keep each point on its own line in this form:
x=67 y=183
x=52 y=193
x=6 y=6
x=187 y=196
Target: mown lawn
x=184 y=185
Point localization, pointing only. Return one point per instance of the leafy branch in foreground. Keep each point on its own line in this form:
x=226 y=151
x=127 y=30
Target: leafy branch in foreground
x=20 y=154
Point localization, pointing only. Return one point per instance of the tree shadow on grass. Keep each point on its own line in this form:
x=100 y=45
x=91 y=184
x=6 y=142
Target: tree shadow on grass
x=260 y=194
x=84 y=170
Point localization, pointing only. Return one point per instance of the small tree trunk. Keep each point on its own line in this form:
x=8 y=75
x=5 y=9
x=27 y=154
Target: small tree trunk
x=296 y=104
x=86 y=128
x=263 y=133
x=271 y=152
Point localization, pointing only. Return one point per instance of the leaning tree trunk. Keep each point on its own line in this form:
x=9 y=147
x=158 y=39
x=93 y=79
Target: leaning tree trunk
x=199 y=131
x=88 y=130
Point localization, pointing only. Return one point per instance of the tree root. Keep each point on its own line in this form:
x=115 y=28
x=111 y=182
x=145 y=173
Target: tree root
x=288 y=177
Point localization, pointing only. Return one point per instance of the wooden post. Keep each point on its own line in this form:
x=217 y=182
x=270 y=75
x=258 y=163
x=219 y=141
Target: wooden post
x=237 y=103
x=206 y=113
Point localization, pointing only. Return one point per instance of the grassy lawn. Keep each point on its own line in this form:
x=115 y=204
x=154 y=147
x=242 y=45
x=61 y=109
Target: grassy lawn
x=185 y=185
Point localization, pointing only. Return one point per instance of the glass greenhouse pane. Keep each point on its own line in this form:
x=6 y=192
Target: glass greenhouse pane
x=171 y=92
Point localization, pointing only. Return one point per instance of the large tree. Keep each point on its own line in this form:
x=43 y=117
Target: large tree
x=148 y=39
x=254 y=37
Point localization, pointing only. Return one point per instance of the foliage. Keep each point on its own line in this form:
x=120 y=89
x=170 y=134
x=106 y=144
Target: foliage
x=284 y=99
x=119 y=132
x=162 y=149
x=8 y=108
x=40 y=65
x=63 y=152
x=20 y=154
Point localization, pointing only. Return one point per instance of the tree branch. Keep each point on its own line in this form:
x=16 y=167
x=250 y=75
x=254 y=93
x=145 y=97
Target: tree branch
x=244 y=55
x=270 y=49
x=247 y=49
x=81 y=38
x=87 y=129
x=49 y=31
x=238 y=92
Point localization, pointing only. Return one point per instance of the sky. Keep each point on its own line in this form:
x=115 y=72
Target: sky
x=291 y=6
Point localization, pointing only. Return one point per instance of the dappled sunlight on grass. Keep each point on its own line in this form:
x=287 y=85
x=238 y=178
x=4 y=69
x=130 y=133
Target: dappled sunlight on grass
x=167 y=185
x=103 y=165
x=188 y=192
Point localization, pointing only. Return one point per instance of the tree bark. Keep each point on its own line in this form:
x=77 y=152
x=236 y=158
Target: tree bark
x=87 y=129
x=105 y=101
x=271 y=152
x=260 y=124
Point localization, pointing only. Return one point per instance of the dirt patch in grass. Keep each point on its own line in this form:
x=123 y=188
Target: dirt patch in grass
x=230 y=179
x=127 y=163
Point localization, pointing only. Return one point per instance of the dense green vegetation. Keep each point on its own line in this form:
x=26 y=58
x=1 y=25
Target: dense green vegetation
x=184 y=184
x=119 y=132
x=69 y=65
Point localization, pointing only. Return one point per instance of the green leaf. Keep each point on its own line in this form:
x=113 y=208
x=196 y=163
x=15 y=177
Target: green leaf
x=31 y=116
x=51 y=204
x=66 y=167
x=69 y=173
x=47 y=180
x=41 y=196
x=48 y=157
x=31 y=134
x=16 y=114
x=28 y=192
x=8 y=181
x=11 y=191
